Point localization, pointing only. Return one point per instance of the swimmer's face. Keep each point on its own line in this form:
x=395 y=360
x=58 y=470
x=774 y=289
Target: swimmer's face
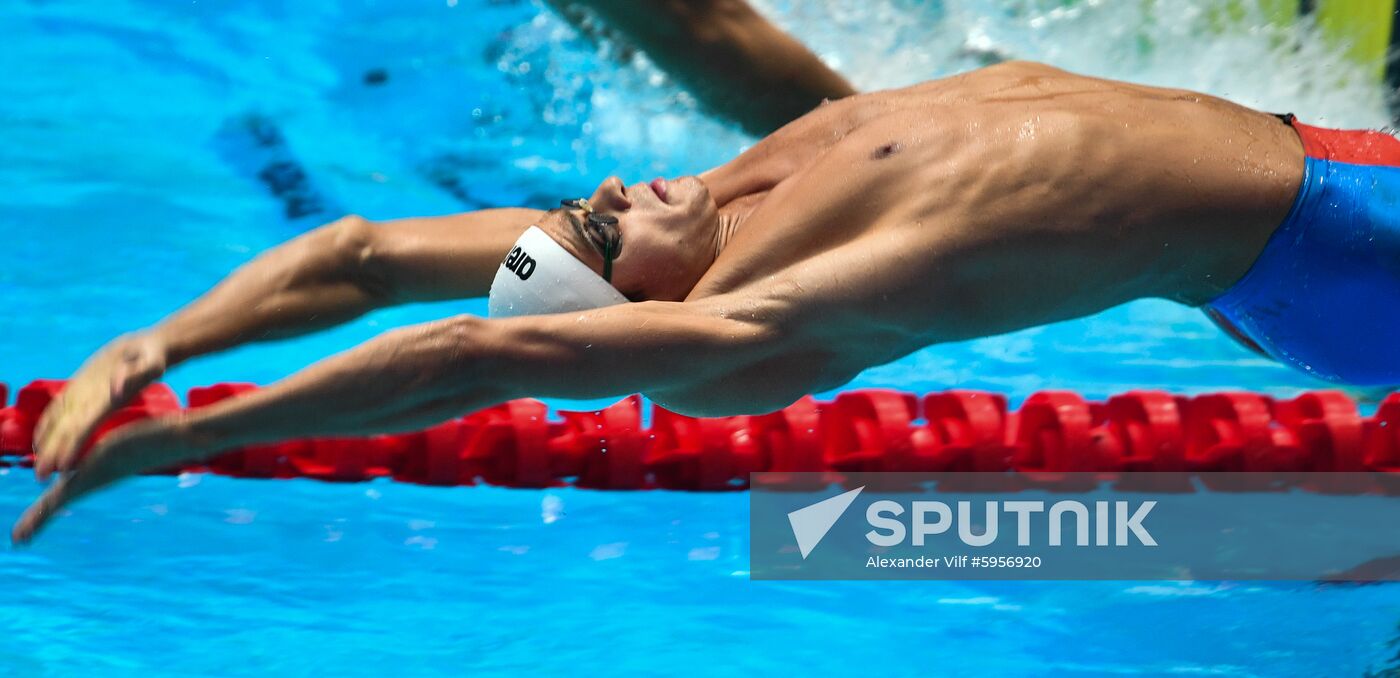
x=668 y=231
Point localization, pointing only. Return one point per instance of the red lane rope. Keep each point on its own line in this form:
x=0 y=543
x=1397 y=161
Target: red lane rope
x=518 y=443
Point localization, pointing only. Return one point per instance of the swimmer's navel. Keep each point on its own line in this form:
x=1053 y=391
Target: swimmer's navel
x=886 y=150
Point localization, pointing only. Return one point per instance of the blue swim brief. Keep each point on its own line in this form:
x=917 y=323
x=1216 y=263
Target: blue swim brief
x=1324 y=296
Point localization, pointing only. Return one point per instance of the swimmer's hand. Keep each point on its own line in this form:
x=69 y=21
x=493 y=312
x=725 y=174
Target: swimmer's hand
x=109 y=380
x=127 y=451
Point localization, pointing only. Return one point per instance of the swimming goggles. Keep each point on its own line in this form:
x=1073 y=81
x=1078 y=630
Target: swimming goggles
x=603 y=234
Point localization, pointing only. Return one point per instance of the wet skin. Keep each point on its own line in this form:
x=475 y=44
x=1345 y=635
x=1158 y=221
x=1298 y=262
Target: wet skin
x=871 y=227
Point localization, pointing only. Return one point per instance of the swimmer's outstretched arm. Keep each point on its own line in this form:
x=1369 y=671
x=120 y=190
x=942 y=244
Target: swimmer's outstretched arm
x=343 y=270
x=419 y=376
x=735 y=61
x=323 y=278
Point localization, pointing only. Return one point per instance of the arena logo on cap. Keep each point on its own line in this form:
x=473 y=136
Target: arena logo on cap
x=520 y=263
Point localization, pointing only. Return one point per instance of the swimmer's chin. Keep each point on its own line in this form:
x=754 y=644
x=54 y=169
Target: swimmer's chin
x=686 y=190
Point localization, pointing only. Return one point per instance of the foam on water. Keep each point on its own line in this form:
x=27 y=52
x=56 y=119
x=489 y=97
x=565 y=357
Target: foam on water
x=637 y=121
x=1174 y=43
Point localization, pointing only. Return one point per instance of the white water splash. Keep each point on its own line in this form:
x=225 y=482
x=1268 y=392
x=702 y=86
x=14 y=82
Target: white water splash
x=637 y=121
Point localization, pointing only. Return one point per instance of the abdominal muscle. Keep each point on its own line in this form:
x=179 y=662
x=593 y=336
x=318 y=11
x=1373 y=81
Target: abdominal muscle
x=1022 y=196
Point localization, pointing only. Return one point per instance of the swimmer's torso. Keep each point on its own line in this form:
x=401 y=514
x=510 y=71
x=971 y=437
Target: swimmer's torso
x=929 y=214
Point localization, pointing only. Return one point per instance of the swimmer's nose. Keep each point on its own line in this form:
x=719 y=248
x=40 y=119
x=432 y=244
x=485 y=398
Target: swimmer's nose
x=611 y=196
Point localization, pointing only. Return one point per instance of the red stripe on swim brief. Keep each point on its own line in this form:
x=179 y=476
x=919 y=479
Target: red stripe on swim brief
x=1357 y=147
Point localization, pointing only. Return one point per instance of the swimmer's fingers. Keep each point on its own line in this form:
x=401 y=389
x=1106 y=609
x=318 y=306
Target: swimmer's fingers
x=108 y=381
x=131 y=450
x=41 y=511
x=42 y=431
x=62 y=431
x=61 y=423
x=52 y=434
x=62 y=493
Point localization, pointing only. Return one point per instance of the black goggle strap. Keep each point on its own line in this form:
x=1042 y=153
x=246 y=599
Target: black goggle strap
x=578 y=204
x=601 y=222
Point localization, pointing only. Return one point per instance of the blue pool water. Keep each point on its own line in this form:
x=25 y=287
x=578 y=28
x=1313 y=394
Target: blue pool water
x=131 y=139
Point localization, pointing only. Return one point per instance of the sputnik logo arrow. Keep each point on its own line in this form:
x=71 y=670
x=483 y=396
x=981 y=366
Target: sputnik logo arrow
x=811 y=523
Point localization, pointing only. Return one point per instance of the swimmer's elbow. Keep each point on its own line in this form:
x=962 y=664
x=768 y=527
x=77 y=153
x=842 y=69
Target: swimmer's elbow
x=355 y=246
x=350 y=239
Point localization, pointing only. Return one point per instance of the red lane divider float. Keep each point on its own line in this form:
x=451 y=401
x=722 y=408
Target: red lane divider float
x=519 y=444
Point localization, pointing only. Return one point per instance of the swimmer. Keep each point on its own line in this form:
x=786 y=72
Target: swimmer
x=871 y=227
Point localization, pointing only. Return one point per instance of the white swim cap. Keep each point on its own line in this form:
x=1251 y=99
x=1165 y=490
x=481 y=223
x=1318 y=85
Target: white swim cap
x=539 y=276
